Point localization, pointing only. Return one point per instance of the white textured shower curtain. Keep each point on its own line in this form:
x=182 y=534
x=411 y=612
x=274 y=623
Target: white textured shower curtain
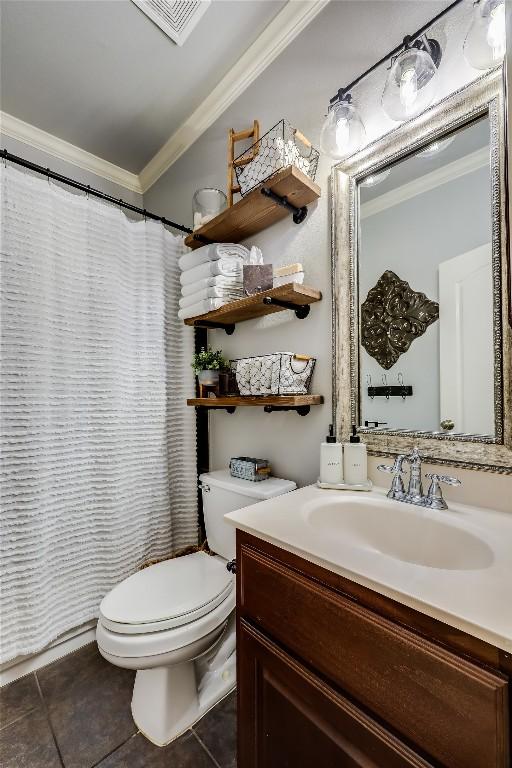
x=98 y=445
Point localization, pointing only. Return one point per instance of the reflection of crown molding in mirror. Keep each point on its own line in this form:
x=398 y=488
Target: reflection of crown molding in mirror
x=432 y=180
x=483 y=97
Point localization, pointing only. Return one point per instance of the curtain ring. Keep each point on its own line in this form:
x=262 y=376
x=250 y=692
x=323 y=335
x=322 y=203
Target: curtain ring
x=88 y=190
x=48 y=176
x=4 y=153
x=145 y=219
x=401 y=379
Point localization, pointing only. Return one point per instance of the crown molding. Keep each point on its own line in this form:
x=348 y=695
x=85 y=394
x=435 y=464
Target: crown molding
x=281 y=31
x=428 y=181
x=52 y=145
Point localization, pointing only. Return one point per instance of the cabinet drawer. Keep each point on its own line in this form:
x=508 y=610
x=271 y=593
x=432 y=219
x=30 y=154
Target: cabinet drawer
x=290 y=718
x=454 y=710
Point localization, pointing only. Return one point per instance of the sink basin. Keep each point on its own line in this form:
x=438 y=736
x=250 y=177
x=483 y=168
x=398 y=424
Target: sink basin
x=401 y=531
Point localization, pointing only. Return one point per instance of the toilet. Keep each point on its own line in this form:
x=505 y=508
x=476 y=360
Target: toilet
x=174 y=622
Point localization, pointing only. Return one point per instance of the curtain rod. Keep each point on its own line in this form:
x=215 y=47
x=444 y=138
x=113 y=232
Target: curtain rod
x=90 y=190
x=394 y=52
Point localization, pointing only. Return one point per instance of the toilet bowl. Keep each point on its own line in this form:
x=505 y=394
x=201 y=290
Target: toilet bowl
x=174 y=622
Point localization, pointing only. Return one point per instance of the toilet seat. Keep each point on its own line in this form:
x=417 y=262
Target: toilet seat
x=151 y=644
x=167 y=595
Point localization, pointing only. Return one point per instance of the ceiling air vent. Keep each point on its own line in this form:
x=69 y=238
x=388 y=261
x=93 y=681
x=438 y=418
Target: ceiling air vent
x=176 y=19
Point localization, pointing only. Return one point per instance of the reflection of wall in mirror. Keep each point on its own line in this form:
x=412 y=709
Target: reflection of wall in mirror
x=412 y=238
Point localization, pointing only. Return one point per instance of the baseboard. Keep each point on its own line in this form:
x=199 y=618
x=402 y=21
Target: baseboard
x=67 y=643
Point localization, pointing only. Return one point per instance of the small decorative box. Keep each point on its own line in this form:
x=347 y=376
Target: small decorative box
x=247 y=468
x=257 y=278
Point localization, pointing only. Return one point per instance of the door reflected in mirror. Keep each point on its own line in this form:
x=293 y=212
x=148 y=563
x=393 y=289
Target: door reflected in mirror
x=426 y=289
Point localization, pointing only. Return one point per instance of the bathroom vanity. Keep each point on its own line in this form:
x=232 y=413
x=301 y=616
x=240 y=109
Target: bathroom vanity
x=346 y=657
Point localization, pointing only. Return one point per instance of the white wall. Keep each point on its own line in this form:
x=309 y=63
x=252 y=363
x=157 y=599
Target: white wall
x=298 y=85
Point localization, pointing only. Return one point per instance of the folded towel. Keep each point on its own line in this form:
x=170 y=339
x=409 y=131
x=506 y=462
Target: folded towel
x=296 y=277
x=288 y=269
x=210 y=293
x=213 y=252
x=207 y=305
x=218 y=281
x=227 y=267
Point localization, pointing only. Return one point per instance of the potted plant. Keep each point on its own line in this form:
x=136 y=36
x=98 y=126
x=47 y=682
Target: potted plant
x=207 y=364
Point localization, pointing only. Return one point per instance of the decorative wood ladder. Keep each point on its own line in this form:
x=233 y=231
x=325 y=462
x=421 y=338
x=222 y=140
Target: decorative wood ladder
x=233 y=137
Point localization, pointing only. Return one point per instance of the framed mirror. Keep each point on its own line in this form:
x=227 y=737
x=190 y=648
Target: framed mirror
x=422 y=339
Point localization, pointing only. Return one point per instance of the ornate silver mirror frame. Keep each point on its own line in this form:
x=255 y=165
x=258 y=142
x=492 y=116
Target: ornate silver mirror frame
x=483 y=97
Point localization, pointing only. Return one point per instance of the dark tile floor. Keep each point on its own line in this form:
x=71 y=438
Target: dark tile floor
x=75 y=713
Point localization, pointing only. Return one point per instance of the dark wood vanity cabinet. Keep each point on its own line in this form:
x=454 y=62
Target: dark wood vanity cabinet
x=333 y=674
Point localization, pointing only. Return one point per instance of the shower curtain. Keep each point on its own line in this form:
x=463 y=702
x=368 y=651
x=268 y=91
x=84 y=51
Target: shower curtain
x=98 y=446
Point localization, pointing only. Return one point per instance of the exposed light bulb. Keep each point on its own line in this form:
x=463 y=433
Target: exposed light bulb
x=496 y=32
x=411 y=83
x=485 y=43
x=408 y=89
x=343 y=131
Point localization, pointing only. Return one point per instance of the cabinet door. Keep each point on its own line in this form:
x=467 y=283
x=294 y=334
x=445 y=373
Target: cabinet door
x=289 y=718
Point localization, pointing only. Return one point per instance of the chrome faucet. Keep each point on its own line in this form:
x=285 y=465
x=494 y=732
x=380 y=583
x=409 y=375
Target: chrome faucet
x=434 y=497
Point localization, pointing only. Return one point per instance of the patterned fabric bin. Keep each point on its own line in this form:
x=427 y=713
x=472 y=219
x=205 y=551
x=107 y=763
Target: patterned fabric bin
x=281 y=373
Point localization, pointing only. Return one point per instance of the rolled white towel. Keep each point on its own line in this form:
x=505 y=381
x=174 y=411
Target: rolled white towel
x=213 y=252
x=207 y=305
x=210 y=293
x=227 y=267
x=218 y=281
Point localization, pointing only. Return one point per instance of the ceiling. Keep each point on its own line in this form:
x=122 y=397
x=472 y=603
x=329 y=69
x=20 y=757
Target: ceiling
x=102 y=76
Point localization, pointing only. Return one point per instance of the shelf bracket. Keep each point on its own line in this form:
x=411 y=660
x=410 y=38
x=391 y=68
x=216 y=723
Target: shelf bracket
x=299 y=214
x=228 y=408
x=301 y=310
x=210 y=325
x=302 y=410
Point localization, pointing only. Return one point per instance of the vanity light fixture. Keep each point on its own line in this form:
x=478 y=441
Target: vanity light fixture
x=411 y=83
x=436 y=147
x=375 y=178
x=410 y=87
x=484 y=46
x=343 y=131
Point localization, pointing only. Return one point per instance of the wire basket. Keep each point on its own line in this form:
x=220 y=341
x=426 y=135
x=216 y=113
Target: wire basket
x=281 y=373
x=280 y=147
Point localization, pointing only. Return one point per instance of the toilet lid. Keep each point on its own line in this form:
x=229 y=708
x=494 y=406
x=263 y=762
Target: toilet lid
x=167 y=594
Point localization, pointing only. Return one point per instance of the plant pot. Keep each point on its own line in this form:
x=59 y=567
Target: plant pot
x=208 y=378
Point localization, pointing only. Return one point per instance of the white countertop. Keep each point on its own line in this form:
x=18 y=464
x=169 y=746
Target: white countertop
x=477 y=601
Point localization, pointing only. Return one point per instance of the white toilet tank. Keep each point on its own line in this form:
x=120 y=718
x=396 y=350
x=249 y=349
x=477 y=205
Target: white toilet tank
x=222 y=494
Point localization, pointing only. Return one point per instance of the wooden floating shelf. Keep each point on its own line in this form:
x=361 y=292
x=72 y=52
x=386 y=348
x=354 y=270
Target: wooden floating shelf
x=290 y=296
x=256 y=211
x=299 y=403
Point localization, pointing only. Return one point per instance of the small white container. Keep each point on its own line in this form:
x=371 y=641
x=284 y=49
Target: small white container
x=331 y=459
x=355 y=460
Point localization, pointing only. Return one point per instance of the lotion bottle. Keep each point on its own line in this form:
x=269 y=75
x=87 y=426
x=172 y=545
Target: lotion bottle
x=355 y=460
x=331 y=459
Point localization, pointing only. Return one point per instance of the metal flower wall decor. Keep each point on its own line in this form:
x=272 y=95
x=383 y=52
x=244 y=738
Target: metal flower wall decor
x=392 y=316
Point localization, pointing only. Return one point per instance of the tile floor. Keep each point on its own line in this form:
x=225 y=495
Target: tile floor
x=75 y=713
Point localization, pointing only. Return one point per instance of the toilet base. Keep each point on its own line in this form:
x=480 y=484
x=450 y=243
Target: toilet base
x=168 y=700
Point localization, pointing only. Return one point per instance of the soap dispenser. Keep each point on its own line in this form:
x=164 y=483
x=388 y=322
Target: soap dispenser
x=355 y=460
x=331 y=459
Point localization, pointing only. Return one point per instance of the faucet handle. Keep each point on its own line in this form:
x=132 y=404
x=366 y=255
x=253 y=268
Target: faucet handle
x=395 y=468
x=435 y=494
x=397 y=490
